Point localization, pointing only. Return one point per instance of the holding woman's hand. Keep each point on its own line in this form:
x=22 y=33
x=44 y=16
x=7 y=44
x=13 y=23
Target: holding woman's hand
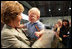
x=38 y=34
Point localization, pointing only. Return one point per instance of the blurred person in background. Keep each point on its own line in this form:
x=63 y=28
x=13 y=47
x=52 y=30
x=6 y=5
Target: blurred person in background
x=69 y=37
x=57 y=27
x=64 y=32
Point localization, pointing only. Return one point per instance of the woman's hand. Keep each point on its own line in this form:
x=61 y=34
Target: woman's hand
x=60 y=38
x=64 y=35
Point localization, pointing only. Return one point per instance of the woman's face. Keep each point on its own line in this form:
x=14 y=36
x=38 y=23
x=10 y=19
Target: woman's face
x=64 y=23
x=17 y=20
x=60 y=23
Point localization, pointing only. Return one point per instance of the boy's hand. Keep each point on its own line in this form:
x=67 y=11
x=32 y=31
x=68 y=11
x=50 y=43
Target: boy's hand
x=20 y=26
x=38 y=34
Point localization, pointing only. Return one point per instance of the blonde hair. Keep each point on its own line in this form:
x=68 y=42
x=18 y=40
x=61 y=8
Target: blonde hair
x=10 y=10
x=34 y=10
x=59 y=20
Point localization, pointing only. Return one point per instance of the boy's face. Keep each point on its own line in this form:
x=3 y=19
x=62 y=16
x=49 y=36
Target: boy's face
x=33 y=17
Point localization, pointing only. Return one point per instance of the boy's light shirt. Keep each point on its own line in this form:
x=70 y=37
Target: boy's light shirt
x=31 y=28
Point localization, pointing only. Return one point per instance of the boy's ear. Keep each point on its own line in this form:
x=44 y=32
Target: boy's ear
x=38 y=17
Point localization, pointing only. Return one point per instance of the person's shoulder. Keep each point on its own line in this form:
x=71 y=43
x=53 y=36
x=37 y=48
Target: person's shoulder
x=6 y=31
x=26 y=24
x=40 y=23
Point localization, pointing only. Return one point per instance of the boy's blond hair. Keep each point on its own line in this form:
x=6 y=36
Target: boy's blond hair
x=34 y=10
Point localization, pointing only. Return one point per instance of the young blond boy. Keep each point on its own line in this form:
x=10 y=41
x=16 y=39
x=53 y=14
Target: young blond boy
x=34 y=26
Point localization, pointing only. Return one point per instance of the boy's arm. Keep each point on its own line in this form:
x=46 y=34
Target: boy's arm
x=40 y=29
x=21 y=26
x=38 y=34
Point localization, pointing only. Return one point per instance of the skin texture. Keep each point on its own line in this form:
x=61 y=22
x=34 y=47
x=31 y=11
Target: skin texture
x=16 y=21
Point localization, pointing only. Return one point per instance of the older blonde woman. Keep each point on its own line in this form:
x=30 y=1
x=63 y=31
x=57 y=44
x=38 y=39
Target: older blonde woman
x=11 y=17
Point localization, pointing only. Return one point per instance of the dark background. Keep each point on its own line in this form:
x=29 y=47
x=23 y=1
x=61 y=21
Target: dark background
x=44 y=7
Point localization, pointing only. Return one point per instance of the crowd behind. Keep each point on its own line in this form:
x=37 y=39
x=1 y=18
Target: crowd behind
x=62 y=31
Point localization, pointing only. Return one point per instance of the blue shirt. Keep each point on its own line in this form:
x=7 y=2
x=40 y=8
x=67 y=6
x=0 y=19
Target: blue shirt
x=32 y=29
